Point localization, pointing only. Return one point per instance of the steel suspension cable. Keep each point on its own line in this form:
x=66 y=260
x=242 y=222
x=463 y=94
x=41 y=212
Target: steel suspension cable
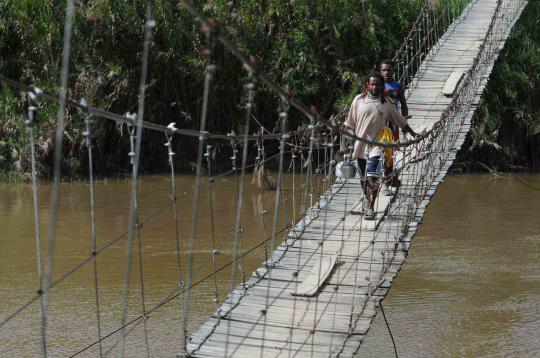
x=88 y=135
x=215 y=252
x=260 y=159
x=209 y=70
x=29 y=127
x=234 y=158
x=237 y=244
x=141 y=278
x=327 y=179
x=149 y=26
x=308 y=194
x=174 y=199
x=283 y=114
x=338 y=272
x=51 y=237
x=293 y=318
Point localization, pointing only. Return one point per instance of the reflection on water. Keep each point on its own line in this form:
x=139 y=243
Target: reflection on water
x=470 y=286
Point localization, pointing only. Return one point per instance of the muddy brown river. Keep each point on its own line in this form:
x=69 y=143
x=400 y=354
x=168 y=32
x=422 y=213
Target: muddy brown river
x=469 y=288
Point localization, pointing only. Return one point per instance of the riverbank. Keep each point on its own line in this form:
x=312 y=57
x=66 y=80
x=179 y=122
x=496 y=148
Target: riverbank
x=318 y=49
x=505 y=135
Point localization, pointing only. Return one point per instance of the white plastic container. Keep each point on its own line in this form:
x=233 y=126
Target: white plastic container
x=345 y=169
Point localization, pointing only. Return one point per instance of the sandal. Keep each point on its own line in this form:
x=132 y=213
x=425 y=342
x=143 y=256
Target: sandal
x=361 y=211
x=370 y=214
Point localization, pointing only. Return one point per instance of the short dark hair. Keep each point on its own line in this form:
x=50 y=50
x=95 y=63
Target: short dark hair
x=387 y=61
x=374 y=74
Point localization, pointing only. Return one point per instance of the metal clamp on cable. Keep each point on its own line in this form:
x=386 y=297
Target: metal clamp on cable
x=234 y=153
x=170 y=152
x=131 y=129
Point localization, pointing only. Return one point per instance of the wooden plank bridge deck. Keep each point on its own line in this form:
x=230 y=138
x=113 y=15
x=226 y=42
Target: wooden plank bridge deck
x=352 y=261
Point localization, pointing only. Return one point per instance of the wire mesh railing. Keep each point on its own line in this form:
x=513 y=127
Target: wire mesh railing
x=307 y=153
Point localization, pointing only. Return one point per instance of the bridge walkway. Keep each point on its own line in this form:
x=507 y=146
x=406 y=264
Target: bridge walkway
x=318 y=293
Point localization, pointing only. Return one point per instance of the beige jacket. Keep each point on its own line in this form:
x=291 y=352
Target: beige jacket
x=367 y=116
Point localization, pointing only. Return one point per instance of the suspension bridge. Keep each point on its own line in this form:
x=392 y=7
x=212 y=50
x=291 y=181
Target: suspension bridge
x=326 y=270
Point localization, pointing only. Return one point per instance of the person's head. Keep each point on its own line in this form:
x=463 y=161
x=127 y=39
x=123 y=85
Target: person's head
x=374 y=84
x=387 y=69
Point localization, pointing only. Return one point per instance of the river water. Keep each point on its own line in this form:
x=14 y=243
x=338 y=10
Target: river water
x=469 y=288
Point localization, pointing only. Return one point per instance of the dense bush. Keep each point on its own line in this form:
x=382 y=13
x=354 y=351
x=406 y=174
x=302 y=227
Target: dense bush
x=318 y=48
x=506 y=128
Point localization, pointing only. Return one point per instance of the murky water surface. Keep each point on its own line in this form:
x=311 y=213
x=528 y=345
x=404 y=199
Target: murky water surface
x=470 y=286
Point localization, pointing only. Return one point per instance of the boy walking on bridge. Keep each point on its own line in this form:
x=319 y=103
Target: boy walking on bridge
x=367 y=116
x=393 y=89
x=395 y=93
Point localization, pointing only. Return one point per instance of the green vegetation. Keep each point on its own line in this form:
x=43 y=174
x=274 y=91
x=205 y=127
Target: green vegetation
x=506 y=128
x=318 y=48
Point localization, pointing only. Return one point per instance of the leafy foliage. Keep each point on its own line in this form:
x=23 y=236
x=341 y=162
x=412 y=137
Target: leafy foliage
x=317 y=48
x=506 y=130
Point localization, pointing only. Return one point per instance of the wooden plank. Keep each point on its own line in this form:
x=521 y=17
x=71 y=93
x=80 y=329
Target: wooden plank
x=267 y=340
x=241 y=329
x=317 y=276
x=452 y=83
x=337 y=302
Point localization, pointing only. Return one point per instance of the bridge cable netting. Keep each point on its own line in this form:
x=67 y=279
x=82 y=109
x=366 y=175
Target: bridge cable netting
x=304 y=186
